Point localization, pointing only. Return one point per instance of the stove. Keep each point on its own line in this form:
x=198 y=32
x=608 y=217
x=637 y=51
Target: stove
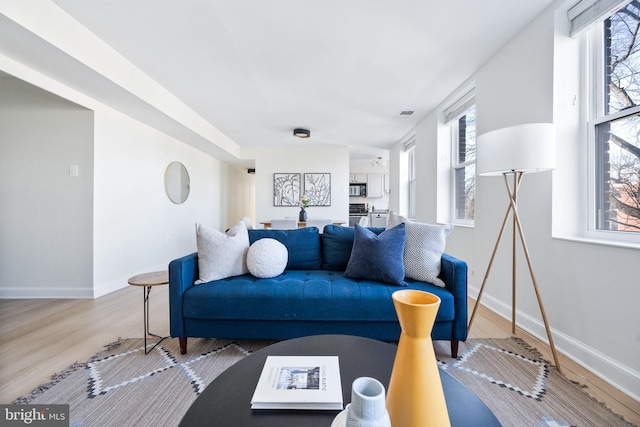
x=358 y=209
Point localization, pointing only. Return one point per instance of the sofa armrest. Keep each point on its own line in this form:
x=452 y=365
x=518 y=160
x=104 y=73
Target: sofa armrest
x=183 y=272
x=453 y=273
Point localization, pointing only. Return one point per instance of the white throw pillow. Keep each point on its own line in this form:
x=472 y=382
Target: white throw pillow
x=221 y=255
x=423 y=248
x=267 y=258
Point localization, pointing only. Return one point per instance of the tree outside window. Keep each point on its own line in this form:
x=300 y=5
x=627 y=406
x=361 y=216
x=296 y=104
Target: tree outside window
x=464 y=138
x=617 y=131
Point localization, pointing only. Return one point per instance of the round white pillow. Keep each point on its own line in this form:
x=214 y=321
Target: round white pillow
x=267 y=258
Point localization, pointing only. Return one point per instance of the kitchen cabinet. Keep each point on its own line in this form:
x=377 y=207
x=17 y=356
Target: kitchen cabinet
x=375 y=185
x=360 y=178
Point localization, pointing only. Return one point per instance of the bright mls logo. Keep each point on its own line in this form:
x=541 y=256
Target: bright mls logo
x=34 y=415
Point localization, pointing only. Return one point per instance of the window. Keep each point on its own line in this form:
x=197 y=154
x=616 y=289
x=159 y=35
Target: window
x=411 y=169
x=615 y=124
x=463 y=131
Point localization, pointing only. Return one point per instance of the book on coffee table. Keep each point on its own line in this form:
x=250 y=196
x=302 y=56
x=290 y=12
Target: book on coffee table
x=299 y=382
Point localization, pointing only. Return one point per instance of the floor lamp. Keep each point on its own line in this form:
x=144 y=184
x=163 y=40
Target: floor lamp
x=512 y=152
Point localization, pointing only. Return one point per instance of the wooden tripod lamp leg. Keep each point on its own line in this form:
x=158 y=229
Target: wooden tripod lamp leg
x=535 y=287
x=517 y=226
x=486 y=275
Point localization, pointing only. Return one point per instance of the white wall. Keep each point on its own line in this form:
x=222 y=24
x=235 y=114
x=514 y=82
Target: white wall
x=136 y=227
x=309 y=159
x=590 y=291
x=45 y=214
x=114 y=220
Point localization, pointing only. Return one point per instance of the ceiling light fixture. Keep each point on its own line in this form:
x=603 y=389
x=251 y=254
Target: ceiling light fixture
x=379 y=163
x=301 y=133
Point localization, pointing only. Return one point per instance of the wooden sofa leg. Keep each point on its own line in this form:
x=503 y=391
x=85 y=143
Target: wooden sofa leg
x=183 y=345
x=454 y=349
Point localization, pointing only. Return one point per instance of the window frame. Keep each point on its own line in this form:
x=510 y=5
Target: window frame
x=457 y=165
x=412 y=197
x=594 y=62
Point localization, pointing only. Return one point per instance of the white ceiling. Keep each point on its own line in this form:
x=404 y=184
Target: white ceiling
x=344 y=69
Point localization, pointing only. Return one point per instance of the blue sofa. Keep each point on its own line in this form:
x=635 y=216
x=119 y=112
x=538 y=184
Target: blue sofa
x=310 y=297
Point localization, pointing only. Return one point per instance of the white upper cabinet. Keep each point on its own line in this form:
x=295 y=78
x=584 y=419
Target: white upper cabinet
x=359 y=178
x=375 y=185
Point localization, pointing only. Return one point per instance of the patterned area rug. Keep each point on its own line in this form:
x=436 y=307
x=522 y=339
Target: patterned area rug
x=522 y=389
x=123 y=386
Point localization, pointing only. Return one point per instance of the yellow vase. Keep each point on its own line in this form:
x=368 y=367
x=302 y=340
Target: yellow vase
x=415 y=397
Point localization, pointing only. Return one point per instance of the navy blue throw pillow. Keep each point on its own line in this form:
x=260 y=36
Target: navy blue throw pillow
x=378 y=257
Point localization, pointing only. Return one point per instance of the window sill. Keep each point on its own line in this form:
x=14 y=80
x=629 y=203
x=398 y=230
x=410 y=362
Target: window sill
x=601 y=242
x=463 y=224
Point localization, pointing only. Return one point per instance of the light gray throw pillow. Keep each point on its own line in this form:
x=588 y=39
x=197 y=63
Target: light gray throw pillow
x=423 y=248
x=221 y=255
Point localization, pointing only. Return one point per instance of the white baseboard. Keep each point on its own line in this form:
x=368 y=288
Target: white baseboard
x=112 y=286
x=620 y=376
x=45 y=293
x=101 y=289
x=63 y=293
x=97 y=291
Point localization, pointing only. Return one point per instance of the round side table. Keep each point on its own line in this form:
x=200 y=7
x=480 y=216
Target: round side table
x=147 y=281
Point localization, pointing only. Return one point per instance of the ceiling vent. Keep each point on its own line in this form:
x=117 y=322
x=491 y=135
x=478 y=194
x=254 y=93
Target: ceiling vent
x=406 y=112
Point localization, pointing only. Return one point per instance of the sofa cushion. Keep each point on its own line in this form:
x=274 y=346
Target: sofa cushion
x=337 y=242
x=221 y=255
x=302 y=244
x=267 y=258
x=423 y=248
x=378 y=257
x=312 y=295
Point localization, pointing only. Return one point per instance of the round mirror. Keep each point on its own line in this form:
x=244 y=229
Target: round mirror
x=176 y=182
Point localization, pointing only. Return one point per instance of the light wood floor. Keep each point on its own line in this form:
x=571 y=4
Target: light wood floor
x=40 y=337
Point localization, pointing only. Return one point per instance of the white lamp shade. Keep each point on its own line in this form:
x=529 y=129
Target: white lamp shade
x=523 y=148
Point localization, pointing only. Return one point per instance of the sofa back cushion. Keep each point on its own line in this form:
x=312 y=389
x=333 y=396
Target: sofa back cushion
x=337 y=242
x=302 y=244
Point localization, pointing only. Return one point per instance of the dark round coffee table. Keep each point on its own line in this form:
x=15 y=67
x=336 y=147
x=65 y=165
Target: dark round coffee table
x=226 y=401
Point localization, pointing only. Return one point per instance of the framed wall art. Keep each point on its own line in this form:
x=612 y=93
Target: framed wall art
x=318 y=187
x=286 y=189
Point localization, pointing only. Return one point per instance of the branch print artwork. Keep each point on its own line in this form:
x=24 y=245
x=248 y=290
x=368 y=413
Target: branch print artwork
x=318 y=187
x=286 y=189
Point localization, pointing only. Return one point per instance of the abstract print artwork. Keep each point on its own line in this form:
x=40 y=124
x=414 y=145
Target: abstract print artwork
x=286 y=189
x=318 y=187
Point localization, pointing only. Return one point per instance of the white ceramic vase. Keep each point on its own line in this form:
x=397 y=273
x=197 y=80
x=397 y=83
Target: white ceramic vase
x=368 y=404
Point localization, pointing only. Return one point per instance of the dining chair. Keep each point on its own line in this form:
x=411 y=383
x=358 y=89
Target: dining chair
x=364 y=221
x=284 y=224
x=318 y=222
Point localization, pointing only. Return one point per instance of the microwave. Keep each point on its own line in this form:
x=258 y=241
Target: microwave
x=357 y=190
